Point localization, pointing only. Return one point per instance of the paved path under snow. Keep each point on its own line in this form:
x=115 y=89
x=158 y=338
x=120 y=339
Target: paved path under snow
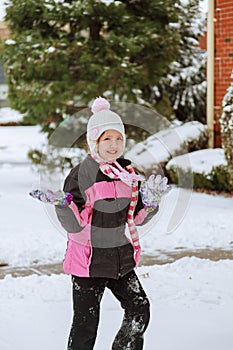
x=164 y=257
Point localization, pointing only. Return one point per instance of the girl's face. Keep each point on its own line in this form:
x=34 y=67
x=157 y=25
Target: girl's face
x=110 y=145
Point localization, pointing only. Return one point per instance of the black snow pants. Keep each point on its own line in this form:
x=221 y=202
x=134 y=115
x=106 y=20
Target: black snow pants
x=87 y=295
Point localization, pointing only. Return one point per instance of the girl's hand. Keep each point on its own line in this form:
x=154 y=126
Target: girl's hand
x=152 y=191
x=58 y=198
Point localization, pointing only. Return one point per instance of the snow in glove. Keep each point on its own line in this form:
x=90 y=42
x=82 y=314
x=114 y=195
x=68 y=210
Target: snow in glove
x=60 y=198
x=152 y=191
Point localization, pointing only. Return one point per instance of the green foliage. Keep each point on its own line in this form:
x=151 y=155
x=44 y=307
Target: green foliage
x=217 y=179
x=185 y=85
x=221 y=178
x=62 y=54
x=226 y=123
x=201 y=142
x=35 y=156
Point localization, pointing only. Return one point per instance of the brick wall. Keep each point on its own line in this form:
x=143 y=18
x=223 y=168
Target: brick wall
x=223 y=57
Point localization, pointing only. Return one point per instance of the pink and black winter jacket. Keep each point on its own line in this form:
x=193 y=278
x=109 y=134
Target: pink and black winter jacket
x=96 y=222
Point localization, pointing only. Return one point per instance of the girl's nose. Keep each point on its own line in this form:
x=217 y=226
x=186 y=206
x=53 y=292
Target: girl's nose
x=113 y=144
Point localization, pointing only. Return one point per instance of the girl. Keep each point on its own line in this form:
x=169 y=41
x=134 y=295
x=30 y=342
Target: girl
x=100 y=254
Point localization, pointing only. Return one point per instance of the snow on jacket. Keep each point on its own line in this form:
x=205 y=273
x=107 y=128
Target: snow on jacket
x=98 y=245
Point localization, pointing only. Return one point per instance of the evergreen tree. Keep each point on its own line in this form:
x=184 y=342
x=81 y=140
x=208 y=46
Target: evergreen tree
x=185 y=85
x=226 y=124
x=62 y=53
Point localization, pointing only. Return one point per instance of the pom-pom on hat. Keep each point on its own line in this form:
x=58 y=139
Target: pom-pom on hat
x=100 y=104
x=102 y=119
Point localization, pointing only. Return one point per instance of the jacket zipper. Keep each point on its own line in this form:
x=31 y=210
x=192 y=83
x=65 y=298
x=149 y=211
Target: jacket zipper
x=118 y=263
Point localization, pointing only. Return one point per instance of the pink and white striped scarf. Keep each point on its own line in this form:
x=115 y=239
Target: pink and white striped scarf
x=131 y=179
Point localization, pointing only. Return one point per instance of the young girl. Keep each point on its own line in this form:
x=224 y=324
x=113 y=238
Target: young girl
x=100 y=254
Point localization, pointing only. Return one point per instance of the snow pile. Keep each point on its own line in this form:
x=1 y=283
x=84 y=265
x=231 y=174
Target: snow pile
x=201 y=161
x=8 y=115
x=160 y=147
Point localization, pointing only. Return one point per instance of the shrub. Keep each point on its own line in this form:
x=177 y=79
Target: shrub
x=207 y=169
x=226 y=123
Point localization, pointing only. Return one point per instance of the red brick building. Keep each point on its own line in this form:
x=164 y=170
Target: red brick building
x=223 y=57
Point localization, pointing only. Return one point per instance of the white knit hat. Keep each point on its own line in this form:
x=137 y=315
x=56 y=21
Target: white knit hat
x=102 y=119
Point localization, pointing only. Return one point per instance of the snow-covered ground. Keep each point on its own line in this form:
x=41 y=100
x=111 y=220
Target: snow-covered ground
x=191 y=304
x=191 y=299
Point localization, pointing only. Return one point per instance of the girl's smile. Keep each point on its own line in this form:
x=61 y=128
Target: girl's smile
x=110 y=145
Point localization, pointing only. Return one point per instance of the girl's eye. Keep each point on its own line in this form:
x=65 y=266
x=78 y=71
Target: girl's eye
x=112 y=139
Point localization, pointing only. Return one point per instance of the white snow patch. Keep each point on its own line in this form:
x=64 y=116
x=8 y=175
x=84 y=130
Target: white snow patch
x=8 y=114
x=191 y=308
x=201 y=161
